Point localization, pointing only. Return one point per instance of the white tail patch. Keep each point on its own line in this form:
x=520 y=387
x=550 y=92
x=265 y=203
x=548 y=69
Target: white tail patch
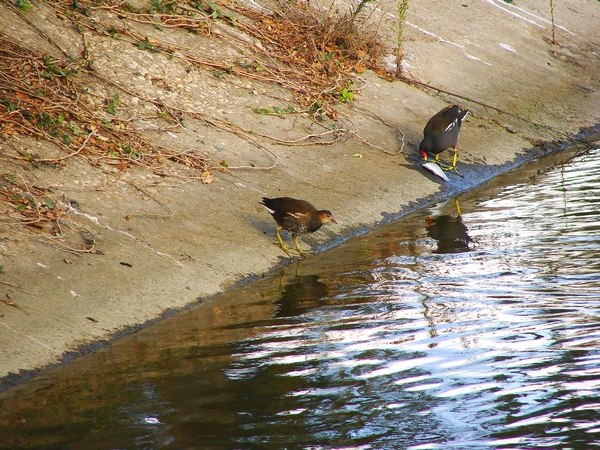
x=452 y=125
x=267 y=208
x=457 y=121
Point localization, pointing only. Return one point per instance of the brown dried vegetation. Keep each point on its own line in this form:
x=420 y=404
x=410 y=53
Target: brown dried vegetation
x=315 y=54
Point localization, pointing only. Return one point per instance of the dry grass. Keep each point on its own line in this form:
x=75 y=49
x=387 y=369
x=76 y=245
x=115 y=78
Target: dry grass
x=314 y=53
x=40 y=97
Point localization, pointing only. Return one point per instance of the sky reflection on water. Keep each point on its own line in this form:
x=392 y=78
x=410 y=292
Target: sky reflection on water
x=442 y=331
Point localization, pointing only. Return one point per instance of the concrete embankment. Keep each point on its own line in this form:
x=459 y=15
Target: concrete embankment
x=152 y=242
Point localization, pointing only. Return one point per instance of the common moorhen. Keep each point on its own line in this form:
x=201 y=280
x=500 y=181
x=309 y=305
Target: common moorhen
x=441 y=132
x=295 y=216
x=451 y=234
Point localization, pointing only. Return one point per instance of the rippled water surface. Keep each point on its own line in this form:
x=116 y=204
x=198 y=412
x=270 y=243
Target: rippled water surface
x=440 y=331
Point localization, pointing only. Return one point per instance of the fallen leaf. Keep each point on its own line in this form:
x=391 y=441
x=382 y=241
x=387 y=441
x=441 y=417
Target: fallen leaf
x=128 y=217
x=357 y=155
x=360 y=68
x=207 y=178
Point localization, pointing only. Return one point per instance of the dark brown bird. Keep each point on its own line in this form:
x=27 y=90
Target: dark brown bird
x=295 y=216
x=441 y=132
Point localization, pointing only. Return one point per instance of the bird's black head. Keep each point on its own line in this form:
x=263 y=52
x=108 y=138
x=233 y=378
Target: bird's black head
x=425 y=148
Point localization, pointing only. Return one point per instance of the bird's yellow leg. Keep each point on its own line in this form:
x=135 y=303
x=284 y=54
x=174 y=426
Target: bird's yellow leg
x=281 y=244
x=437 y=157
x=457 y=207
x=298 y=249
x=454 y=159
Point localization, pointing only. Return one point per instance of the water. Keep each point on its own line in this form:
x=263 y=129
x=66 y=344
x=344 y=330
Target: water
x=441 y=331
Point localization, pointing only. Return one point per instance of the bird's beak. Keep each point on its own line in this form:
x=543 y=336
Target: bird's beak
x=333 y=220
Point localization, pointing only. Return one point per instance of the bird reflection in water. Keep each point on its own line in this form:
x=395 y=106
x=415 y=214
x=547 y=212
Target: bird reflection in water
x=300 y=294
x=449 y=232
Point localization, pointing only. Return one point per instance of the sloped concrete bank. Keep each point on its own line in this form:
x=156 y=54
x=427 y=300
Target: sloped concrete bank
x=164 y=242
